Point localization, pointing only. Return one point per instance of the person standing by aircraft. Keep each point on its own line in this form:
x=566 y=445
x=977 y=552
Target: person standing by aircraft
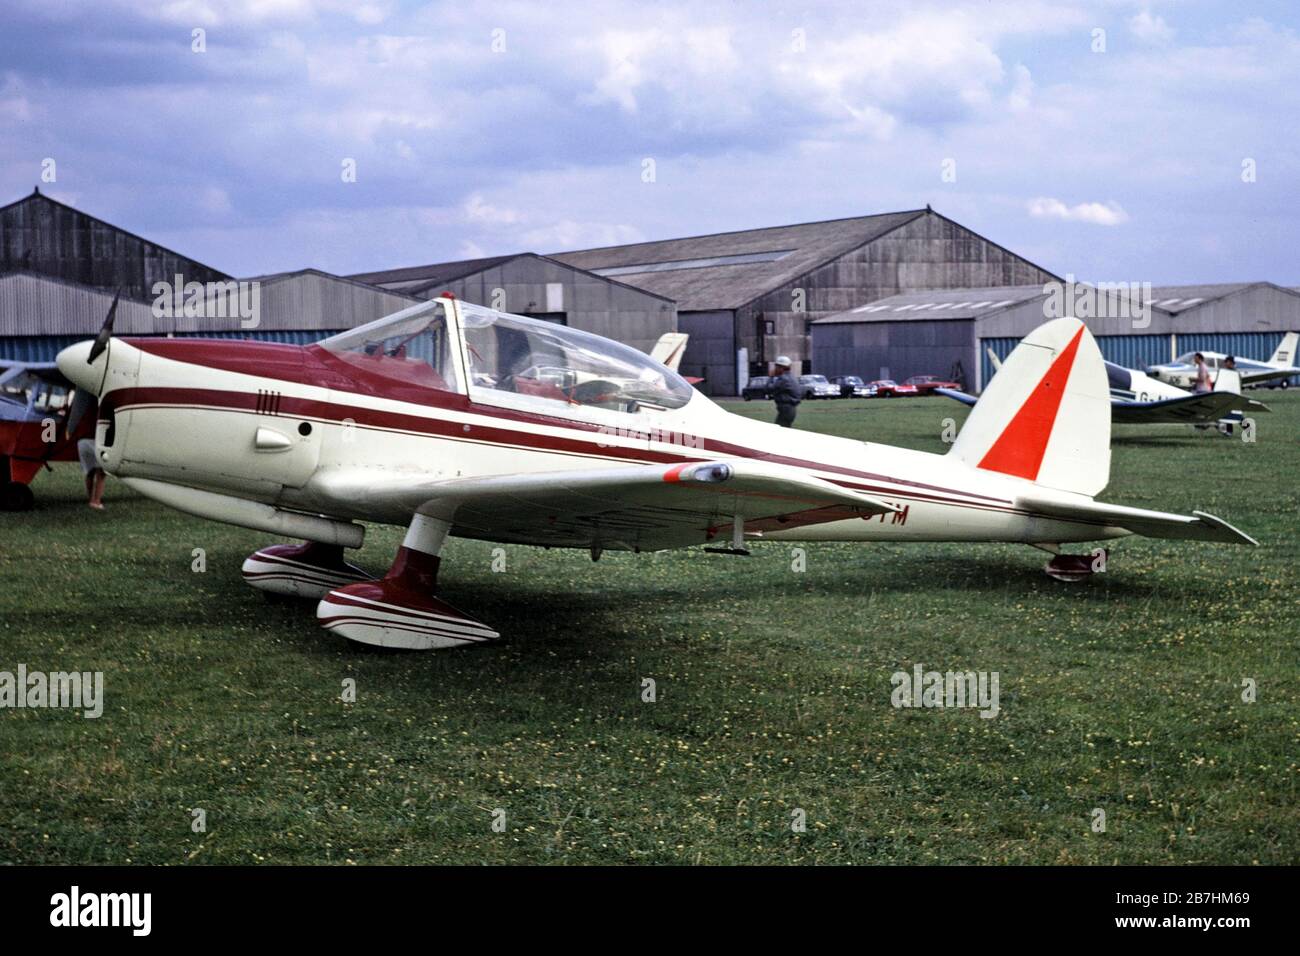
x=1202 y=374
x=786 y=392
x=94 y=473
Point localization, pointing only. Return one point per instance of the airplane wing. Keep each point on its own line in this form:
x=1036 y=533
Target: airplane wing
x=1198 y=526
x=638 y=507
x=1200 y=407
x=11 y=369
x=1255 y=376
x=960 y=396
x=1204 y=407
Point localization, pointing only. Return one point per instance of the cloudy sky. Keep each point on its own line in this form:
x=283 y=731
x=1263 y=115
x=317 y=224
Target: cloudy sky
x=1118 y=141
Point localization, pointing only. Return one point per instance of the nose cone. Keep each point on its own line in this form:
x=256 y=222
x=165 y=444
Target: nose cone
x=72 y=363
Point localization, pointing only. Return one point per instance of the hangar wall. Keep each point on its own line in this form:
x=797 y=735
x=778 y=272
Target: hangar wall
x=529 y=284
x=42 y=235
x=929 y=252
x=1139 y=351
x=897 y=350
x=711 y=350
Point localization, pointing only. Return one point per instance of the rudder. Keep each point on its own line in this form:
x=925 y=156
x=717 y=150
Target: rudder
x=1045 y=415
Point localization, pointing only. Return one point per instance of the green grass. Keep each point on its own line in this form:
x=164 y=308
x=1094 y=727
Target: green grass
x=773 y=691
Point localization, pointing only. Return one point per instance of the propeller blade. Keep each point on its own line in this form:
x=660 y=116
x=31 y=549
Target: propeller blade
x=105 y=331
x=82 y=402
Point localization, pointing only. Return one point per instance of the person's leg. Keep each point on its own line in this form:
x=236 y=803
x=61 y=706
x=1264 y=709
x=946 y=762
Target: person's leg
x=90 y=485
x=97 y=488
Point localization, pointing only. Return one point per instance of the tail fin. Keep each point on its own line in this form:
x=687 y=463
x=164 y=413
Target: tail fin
x=669 y=349
x=1284 y=354
x=1046 y=415
x=1228 y=380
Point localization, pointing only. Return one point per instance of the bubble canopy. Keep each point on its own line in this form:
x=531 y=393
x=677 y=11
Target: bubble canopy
x=512 y=360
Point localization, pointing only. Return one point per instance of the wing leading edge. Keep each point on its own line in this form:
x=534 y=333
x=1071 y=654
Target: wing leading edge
x=639 y=507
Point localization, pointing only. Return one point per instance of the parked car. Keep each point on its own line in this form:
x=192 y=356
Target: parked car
x=926 y=384
x=760 y=386
x=888 y=388
x=852 y=387
x=816 y=386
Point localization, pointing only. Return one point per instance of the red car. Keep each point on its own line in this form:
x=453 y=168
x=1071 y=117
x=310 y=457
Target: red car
x=926 y=384
x=888 y=388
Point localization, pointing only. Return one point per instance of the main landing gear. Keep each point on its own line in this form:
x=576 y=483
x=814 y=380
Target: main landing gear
x=398 y=610
x=1075 y=567
x=308 y=570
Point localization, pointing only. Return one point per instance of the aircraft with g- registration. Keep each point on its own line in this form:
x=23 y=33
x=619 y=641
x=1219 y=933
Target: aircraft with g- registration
x=452 y=419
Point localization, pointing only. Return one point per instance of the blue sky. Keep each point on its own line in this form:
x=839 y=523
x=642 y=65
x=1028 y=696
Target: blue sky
x=486 y=128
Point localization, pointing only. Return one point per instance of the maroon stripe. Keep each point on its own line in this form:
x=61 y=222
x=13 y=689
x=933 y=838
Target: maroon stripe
x=391 y=625
x=377 y=418
x=341 y=598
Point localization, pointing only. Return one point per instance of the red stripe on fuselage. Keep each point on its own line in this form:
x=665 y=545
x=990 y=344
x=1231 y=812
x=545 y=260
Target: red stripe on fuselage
x=596 y=445
x=316 y=366
x=1020 y=448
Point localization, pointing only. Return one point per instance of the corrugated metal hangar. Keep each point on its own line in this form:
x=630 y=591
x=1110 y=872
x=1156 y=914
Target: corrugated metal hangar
x=60 y=267
x=42 y=235
x=882 y=296
x=951 y=333
x=543 y=287
x=758 y=289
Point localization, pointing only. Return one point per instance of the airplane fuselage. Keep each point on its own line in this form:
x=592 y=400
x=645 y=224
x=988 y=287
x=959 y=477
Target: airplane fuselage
x=276 y=424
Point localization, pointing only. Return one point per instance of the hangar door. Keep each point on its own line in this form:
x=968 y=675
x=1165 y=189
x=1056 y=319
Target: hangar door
x=710 y=350
x=896 y=350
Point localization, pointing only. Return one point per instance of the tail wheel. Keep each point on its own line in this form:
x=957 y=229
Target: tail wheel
x=15 y=496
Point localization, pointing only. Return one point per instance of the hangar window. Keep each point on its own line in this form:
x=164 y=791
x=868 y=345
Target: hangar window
x=744 y=258
x=527 y=363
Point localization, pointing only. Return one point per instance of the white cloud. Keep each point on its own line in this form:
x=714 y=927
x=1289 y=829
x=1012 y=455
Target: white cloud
x=1150 y=28
x=14 y=102
x=478 y=210
x=1022 y=91
x=1100 y=214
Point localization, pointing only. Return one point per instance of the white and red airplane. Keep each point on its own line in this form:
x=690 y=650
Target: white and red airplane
x=452 y=419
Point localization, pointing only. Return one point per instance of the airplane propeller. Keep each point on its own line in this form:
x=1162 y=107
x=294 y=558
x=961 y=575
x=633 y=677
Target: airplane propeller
x=105 y=331
x=83 y=402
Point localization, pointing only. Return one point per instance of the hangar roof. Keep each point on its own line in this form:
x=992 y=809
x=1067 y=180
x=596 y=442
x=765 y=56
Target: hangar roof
x=419 y=280
x=938 y=304
x=1179 y=298
x=726 y=270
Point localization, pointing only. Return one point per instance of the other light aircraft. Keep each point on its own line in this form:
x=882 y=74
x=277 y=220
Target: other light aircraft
x=38 y=424
x=448 y=419
x=1279 y=367
x=1138 y=399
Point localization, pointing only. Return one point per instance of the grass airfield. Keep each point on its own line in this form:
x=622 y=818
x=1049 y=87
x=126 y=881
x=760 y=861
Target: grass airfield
x=773 y=691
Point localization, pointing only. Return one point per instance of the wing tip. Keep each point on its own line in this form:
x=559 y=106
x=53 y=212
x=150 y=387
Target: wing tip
x=1231 y=535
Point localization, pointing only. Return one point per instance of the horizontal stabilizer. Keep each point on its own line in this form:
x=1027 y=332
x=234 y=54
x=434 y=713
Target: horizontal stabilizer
x=963 y=397
x=1198 y=526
